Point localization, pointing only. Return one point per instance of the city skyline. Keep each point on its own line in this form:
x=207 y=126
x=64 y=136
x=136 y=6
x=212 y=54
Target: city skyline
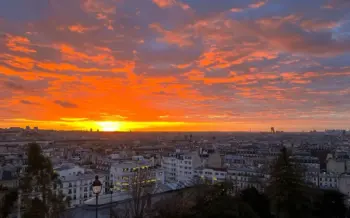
x=175 y=65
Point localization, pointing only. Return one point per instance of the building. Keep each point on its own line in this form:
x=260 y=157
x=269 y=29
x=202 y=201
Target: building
x=307 y=162
x=122 y=173
x=8 y=178
x=336 y=165
x=328 y=180
x=213 y=175
x=214 y=160
x=344 y=184
x=77 y=182
x=243 y=178
x=234 y=160
x=180 y=166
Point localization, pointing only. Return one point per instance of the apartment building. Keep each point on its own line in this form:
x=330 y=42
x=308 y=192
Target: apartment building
x=338 y=165
x=328 y=180
x=307 y=162
x=344 y=184
x=77 y=182
x=247 y=177
x=212 y=175
x=122 y=173
x=179 y=166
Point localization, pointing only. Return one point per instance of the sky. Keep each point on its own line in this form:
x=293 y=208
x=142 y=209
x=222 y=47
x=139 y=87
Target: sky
x=175 y=65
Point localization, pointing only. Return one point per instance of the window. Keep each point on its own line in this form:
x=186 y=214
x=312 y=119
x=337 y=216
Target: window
x=70 y=191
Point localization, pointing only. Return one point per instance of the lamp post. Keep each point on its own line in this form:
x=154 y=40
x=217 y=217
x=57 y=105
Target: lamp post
x=111 y=192
x=96 y=188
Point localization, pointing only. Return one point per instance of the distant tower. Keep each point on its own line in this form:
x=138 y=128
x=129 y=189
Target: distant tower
x=273 y=130
x=90 y=129
x=98 y=130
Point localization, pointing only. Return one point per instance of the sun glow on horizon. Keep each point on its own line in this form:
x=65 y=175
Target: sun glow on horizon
x=109 y=126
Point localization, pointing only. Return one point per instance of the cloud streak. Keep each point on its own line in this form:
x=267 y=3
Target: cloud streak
x=65 y=104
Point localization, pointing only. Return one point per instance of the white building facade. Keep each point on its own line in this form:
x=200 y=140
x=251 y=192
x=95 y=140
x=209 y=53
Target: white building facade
x=123 y=173
x=77 y=183
x=179 y=167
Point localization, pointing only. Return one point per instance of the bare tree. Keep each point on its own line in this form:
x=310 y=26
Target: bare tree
x=141 y=187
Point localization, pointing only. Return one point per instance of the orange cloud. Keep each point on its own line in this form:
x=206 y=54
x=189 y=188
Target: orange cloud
x=18 y=62
x=164 y=3
x=19 y=44
x=258 y=4
x=81 y=29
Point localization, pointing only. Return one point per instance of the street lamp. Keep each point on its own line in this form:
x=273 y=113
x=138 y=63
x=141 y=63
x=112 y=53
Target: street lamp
x=111 y=192
x=96 y=189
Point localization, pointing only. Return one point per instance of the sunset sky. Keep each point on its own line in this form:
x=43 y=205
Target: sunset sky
x=175 y=65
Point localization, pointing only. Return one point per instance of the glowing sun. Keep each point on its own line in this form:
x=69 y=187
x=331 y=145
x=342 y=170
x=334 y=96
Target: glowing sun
x=109 y=126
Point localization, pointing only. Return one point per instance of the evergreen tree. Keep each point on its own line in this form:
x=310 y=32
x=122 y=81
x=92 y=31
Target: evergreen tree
x=290 y=197
x=40 y=187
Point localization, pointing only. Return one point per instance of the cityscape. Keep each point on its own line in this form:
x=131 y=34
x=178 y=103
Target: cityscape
x=173 y=160
x=174 y=109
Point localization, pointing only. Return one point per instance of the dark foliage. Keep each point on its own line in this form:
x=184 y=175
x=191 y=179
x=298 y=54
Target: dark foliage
x=331 y=204
x=7 y=203
x=289 y=195
x=259 y=202
x=39 y=185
